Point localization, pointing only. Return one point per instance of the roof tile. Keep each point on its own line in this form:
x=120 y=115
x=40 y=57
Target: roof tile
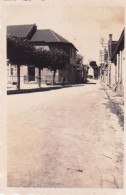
x=19 y=30
x=47 y=35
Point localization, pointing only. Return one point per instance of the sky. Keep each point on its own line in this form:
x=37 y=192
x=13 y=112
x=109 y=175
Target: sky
x=82 y=26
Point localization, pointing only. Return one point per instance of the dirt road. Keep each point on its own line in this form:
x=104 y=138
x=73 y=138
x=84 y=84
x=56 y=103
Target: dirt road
x=66 y=138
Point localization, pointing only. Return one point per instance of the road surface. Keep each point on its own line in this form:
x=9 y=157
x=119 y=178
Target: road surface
x=66 y=138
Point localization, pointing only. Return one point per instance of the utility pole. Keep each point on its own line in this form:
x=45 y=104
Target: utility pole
x=103 y=55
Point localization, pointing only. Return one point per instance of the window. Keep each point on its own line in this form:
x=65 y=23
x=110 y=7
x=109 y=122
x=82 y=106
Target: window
x=11 y=71
x=31 y=73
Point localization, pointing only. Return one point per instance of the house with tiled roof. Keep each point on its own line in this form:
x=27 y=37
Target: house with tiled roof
x=118 y=63
x=46 y=39
x=26 y=31
x=47 y=36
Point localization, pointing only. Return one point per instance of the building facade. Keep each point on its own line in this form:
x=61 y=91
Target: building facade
x=116 y=60
x=113 y=68
x=46 y=39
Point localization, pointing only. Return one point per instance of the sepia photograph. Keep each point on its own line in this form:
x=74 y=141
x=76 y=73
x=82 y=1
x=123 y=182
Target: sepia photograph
x=65 y=96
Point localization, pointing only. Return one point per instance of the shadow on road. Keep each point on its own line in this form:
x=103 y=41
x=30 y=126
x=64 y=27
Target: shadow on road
x=11 y=92
x=90 y=83
x=43 y=89
x=101 y=89
x=115 y=109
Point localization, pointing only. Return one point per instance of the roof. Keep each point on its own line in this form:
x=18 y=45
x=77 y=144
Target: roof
x=47 y=35
x=30 y=32
x=114 y=44
x=118 y=44
x=19 y=30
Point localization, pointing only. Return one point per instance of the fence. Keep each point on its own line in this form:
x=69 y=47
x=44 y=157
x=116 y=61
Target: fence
x=45 y=79
x=11 y=79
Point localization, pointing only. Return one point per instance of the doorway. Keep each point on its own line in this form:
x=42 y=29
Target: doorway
x=31 y=73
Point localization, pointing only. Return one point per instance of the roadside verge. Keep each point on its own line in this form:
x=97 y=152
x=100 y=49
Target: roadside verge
x=117 y=101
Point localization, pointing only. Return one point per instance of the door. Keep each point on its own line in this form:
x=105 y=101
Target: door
x=31 y=73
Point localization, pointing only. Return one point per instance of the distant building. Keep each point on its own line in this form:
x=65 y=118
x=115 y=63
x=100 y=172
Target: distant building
x=85 y=73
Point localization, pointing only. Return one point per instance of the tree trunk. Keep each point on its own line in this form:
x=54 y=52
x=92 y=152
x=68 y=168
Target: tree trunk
x=69 y=73
x=54 y=73
x=39 y=81
x=18 y=77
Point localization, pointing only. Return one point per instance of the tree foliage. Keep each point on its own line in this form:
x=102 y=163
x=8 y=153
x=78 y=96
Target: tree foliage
x=79 y=59
x=93 y=64
x=40 y=58
x=19 y=51
x=95 y=67
x=58 y=59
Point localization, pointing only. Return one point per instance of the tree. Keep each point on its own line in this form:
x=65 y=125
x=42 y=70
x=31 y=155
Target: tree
x=40 y=59
x=93 y=64
x=58 y=59
x=95 y=68
x=19 y=52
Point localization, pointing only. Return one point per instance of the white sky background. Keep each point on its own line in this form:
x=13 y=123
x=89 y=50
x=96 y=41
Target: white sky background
x=83 y=26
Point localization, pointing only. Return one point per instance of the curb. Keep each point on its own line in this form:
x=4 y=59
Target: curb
x=10 y=92
x=42 y=89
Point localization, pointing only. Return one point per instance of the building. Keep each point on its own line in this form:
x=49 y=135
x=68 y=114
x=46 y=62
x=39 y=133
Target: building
x=112 y=67
x=84 y=73
x=26 y=31
x=46 y=39
x=116 y=60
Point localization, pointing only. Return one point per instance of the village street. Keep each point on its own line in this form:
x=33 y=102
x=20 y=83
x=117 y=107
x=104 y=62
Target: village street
x=65 y=138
